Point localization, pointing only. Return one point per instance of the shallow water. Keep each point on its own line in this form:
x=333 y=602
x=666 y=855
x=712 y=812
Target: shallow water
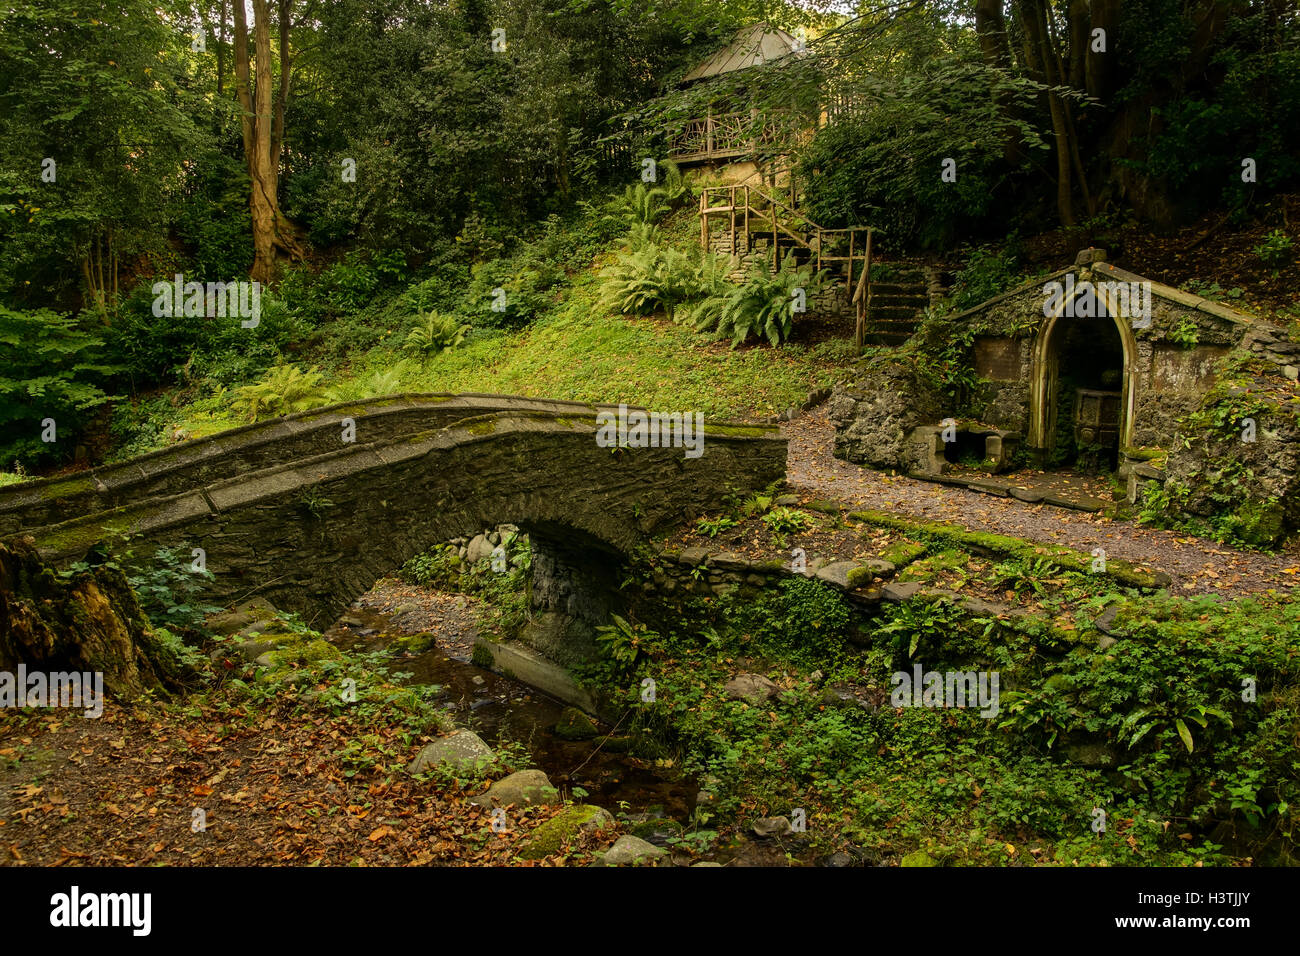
x=500 y=709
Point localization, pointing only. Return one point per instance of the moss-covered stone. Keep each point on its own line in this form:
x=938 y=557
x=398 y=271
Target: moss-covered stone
x=860 y=576
x=902 y=553
x=481 y=657
x=993 y=545
x=418 y=643
x=575 y=725
x=562 y=829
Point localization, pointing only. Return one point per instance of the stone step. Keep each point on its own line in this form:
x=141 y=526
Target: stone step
x=910 y=301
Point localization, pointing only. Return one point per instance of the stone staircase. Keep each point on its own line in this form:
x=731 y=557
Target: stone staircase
x=748 y=223
x=897 y=301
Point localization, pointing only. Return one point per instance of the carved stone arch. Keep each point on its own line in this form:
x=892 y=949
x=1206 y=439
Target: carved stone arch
x=1044 y=383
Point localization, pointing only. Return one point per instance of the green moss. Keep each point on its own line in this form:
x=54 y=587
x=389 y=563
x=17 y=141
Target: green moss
x=946 y=560
x=902 y=553
x=575 y=725
x=64 y=487
x=742 y=431
x=481 y=426
x=561 y=830
x=824 y=506
x=418 y=643
x=1143 y=454
x=858 y=577
x=311 y=652
x=982 y=542
x=481 y=657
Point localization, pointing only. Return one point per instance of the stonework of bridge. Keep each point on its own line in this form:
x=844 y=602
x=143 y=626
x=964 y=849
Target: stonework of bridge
x=290 y=511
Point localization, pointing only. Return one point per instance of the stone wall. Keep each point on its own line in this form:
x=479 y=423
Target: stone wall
x=876 y=412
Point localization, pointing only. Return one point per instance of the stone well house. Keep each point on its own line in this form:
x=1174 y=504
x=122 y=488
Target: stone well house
x=1090 y=360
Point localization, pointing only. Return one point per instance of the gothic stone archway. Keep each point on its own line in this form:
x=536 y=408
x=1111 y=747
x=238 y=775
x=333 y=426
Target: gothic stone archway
x=1046 y=373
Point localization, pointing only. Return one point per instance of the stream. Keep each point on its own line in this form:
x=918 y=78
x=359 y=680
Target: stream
x=500 y=709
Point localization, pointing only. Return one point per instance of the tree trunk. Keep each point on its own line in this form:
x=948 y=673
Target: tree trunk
x=263 y=134
x=219 y=37
x=1104 y=15
x=995 y=46
x=1033 y=20
x=89 y=622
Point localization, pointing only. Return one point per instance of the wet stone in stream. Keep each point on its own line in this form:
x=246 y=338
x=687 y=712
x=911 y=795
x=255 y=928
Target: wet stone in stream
x=502 y=710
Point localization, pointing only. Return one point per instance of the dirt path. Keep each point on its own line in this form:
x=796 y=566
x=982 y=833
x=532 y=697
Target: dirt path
x=1196 y=564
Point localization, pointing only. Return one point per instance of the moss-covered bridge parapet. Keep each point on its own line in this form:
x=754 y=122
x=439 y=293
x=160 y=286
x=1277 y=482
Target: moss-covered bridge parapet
x=250 y=448
x=312 y=532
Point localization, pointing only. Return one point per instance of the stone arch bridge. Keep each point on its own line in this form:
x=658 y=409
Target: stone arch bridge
x=290 y=511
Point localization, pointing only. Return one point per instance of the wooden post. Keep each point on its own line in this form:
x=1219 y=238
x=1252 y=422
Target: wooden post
x=733 y=220
x=862 y=297
x=746 y=219
x=819 y=249
x=850 y=279
x=866 y=277
x=704 y=220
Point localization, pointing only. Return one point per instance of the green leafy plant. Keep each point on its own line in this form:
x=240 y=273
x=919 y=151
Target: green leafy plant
x=1212 y=290
x=645 y=203
x=284 y=389
x=49 y=368
x=620 y=643
x=784 y=521
x=648 y=276
x=762 y=307
x=712 y=527
x=1186 y=333
x=433 y=333
x=1276 y=250
x=1145 y=719
x=169 y=590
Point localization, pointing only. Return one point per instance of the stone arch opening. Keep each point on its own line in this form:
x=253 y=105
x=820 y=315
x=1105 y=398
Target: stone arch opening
x=1083 y=388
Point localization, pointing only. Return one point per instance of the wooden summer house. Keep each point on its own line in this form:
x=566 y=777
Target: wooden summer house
x=729 y=130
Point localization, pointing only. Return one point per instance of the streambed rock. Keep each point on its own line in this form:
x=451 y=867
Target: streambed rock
x=772 y=827
x=628 y=850
x=557 y=832
x=523 y=789
x=575 y=725
x=462 y=751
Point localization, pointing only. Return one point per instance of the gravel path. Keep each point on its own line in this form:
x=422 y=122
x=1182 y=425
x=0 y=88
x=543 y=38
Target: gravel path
x=1195 y=564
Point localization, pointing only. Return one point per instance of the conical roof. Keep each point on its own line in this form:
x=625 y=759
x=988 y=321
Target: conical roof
x=753 y=46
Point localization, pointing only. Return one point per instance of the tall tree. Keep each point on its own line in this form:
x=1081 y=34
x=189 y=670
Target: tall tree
x=263 y=119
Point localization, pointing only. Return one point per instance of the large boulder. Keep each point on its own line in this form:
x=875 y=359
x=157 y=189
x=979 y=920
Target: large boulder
x=523 y=789
x=480 y=549
x=575 y=725
x=754 y=688
x=1208 y=456
x=88 y=622
x=462 y=752
x=875 y=412
x=562 y=829
x=630 y=850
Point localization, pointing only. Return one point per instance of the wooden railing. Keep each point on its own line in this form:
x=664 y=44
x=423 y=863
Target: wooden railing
x=727 y=135
x=749 y=204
